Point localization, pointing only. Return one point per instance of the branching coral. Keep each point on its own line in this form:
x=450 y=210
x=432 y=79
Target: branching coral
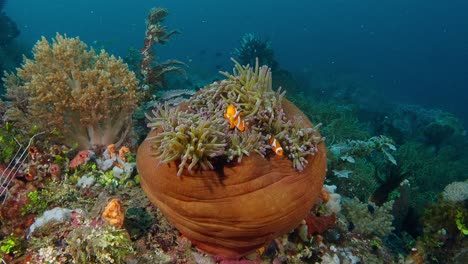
x=200 y=133
x=87 y=97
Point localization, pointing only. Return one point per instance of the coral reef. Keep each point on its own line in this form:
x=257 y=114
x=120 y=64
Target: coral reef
x=87 y=97
x=340 y=122
x=413 y=122
x=356 y=165
x=427 y=150
x=428 y=170
x=444 y=232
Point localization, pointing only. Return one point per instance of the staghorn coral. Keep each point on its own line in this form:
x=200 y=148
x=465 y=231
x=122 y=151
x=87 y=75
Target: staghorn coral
x=200 y=133
x=87 y=97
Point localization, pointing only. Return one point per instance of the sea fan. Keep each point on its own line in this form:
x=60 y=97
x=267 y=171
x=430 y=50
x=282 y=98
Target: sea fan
x=2 y=4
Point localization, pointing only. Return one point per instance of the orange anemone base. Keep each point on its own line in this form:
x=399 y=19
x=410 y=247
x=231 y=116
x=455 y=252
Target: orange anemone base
x=238 y=208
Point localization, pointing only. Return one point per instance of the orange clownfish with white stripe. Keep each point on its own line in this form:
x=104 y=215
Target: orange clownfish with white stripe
x=233 y=116
x=275 y=146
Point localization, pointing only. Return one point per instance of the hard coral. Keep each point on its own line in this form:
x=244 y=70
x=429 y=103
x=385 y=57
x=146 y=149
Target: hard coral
x=87 y=97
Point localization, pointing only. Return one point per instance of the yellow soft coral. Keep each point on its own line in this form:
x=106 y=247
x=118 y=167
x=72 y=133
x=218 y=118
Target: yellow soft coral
x=88 y=97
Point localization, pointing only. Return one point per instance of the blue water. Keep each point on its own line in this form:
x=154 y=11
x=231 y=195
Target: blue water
x=413 y=51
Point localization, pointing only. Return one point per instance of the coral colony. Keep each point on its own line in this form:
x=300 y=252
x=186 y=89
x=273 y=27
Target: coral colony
x=87 y=97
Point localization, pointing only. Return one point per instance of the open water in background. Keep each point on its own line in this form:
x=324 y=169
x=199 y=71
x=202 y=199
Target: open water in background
x=414 y=51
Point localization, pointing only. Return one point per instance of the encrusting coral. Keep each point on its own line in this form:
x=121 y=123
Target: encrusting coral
x=199 y=134
x=87 y=97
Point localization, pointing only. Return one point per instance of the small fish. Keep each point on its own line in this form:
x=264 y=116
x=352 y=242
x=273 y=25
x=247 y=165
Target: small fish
x=233 y=116
x=275 y=146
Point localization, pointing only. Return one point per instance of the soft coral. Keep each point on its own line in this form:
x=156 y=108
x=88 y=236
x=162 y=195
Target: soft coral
x=87 y=97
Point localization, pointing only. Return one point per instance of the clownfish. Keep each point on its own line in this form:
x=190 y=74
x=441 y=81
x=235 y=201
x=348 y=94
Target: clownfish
x=275 y=146
x=233 y=116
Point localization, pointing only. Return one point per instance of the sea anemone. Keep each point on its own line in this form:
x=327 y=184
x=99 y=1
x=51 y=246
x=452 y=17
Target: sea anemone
x=242 y=183
x=191 y=139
